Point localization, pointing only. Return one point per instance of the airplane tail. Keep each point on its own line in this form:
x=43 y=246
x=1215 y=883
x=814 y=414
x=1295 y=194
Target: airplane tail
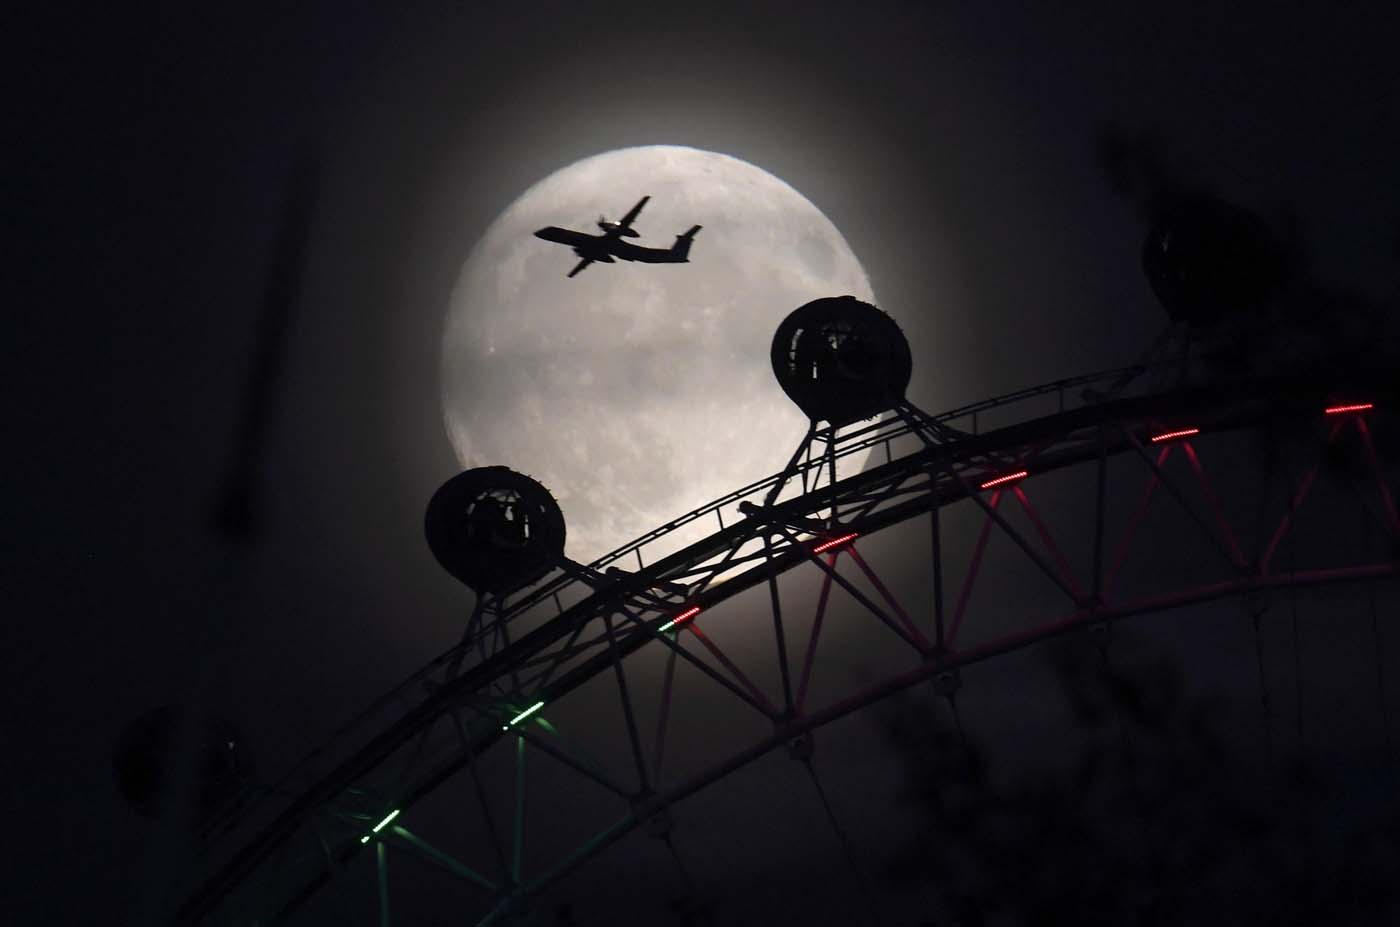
x=680 y=251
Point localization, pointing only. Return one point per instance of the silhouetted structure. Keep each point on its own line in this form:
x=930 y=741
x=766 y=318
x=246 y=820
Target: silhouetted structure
x=147 y=762
x=841 y=360
x=527 y=652
x=1207 y=259
x=236 y=512
x=495 y=529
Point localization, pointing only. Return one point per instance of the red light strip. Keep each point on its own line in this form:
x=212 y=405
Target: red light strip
x=683 y=617
x=1168 y=435
x=834 y=542
x=1005 y=479
x=1355 y=407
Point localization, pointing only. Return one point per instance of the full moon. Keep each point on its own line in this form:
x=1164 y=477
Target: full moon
x=637 y=392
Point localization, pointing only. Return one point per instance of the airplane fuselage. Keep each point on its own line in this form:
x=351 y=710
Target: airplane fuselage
x=607 y=248
x=610 y=246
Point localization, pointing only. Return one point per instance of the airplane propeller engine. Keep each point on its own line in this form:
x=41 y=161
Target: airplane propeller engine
x=617 y=228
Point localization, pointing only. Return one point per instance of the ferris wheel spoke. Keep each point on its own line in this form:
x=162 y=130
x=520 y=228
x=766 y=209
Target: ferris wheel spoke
x=569 y=649
x=845 y=841
x=459 y=654
x=1236 y=563
x=831 y=469
x=556 y=659
x=664 y=714
x=571 y=754
x=936 y=564
x=732 y=560
x=727 y=562
x=517 y=854
x=857 y=507
x=425 y=851
x=1135 y=522
x=1066 y=573
x=1294 y=504
x=479 y=790
x=1381 y=699
x=643 y=784
x=671 y=641
x=862 y=598
x=778 y=635
x=915 y=634
x=503 y=632
x=1387 y=498
x=1100 y=511
x=755 y=693
x=806 y=466
x=1371 y=517
x=381 y=860
x=816 y=631
x=973 y=567
x=1225 y=531
x=1070 y=591
x=565 y=749
x=794 y=467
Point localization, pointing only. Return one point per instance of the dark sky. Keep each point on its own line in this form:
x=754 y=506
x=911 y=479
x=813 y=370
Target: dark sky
x=954 y=145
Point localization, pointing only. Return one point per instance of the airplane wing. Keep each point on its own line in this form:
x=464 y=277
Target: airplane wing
x=581 y=265
x=627 y=220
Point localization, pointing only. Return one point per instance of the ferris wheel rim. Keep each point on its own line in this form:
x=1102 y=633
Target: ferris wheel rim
x=285 y=823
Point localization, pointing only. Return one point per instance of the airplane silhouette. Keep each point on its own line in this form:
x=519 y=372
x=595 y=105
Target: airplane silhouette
x=609 y=246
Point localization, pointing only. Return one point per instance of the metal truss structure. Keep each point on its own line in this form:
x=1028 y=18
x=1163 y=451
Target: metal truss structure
x=1223 y=472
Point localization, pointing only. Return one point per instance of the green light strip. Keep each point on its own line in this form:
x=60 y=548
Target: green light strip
x=382 y=824
x=523 y=715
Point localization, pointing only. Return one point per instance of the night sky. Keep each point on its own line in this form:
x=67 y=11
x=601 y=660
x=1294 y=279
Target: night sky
x=956 y=146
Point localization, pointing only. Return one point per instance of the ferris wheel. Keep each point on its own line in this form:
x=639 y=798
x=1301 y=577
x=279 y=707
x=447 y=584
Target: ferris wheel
x=1137 y=491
